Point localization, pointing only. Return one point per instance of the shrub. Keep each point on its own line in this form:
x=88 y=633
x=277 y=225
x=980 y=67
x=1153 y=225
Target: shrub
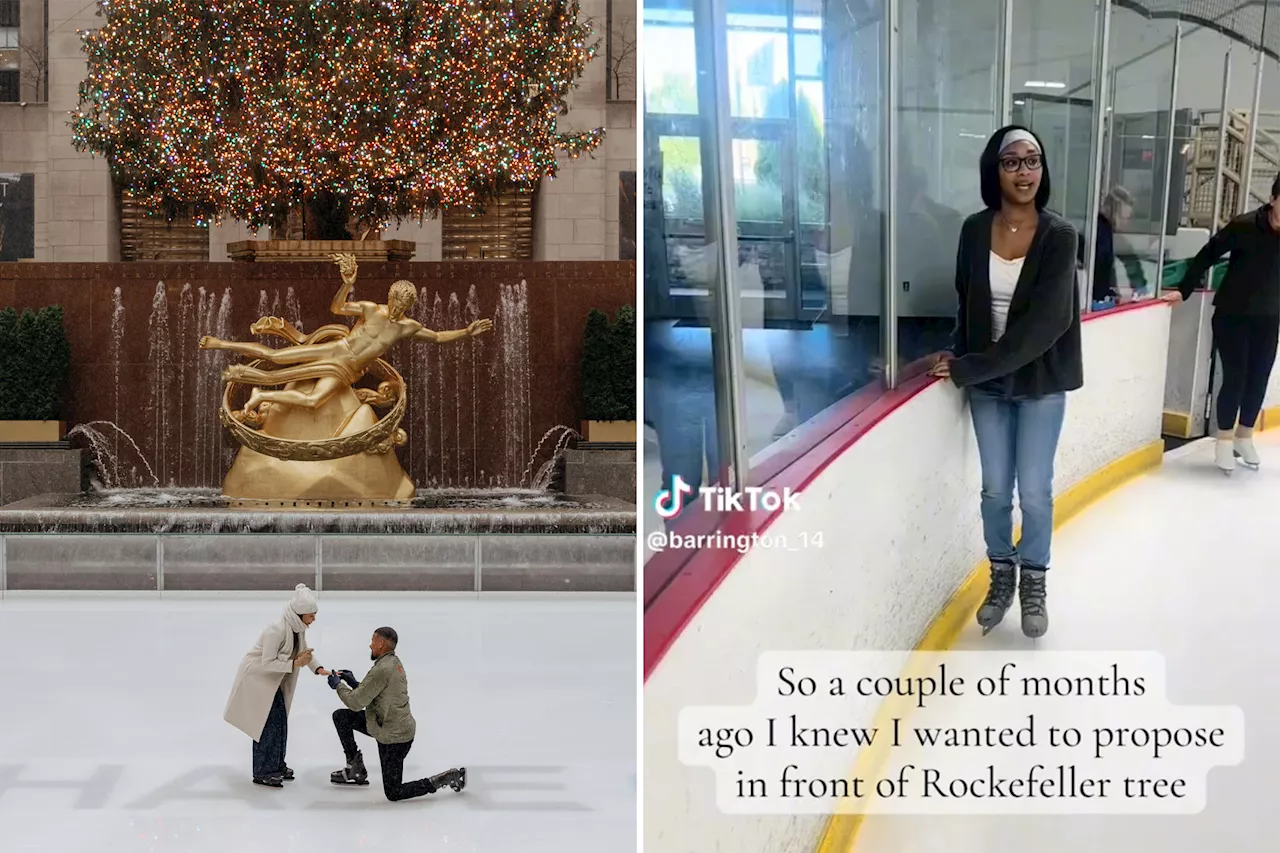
x=609 y=366
x=35 y=363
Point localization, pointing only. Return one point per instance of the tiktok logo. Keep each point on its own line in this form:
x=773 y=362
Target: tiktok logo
x=669 y=502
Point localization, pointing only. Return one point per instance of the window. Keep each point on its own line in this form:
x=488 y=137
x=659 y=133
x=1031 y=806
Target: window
x=10 y=86
x=620 y=52
x=145 y=236
x=504 y=230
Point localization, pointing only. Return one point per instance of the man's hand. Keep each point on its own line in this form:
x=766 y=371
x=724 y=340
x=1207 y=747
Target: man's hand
x=479 y=327
x=349 y=677
x=334 y=680
x=1173 y=297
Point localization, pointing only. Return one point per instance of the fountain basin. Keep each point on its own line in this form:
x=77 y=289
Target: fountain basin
x=451 y=540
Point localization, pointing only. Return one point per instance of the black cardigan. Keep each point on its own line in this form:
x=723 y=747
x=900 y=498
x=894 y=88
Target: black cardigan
x=1039 y=352
x=1251 y=286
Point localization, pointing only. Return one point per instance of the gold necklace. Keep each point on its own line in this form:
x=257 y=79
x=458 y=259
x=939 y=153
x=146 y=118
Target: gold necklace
x=1008 y=224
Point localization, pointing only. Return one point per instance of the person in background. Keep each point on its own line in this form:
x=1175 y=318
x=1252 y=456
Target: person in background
x=1115 y=214
x=1017 y=351
x=263 y=690
x=1246 y=322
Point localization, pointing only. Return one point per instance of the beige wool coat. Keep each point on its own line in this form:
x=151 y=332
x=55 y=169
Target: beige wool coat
x=266 y=668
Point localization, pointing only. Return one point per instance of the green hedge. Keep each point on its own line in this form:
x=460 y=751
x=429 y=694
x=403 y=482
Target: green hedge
x=609 y=366
x=35 y=364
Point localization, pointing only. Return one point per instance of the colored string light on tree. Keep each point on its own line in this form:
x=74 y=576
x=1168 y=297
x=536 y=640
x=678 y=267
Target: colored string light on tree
x=386 y=109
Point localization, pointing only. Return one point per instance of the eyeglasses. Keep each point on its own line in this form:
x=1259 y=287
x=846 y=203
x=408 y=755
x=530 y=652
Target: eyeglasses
x=1032 y=162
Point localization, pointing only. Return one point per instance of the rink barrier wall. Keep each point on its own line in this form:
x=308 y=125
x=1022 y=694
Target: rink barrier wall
x=38 y=563
x=841 y=833
x=906 y=469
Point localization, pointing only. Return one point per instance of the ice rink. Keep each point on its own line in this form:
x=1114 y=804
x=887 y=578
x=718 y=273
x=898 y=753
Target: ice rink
x=112 y=738
x=1182 y=561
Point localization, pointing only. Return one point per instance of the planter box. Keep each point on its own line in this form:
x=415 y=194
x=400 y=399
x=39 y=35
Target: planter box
x=299 y=251
x=610 y=431
x=35 y=432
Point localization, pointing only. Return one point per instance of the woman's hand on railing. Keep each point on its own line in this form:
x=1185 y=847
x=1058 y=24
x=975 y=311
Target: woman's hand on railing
x=941 y=367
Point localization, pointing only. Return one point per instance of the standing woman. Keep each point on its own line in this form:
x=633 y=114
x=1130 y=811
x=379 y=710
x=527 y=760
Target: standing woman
x=1017 y=351
x=1246 y=322
x=263 y=692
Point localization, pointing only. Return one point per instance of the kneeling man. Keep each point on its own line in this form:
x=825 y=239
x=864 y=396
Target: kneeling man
x=379 y=707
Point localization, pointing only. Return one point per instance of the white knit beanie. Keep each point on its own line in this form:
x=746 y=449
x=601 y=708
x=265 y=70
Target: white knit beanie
x=304 y=600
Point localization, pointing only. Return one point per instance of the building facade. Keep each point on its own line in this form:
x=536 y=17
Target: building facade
x=59 y=205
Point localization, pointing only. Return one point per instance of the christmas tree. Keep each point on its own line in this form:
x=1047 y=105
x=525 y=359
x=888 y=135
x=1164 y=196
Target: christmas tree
x=376 y=110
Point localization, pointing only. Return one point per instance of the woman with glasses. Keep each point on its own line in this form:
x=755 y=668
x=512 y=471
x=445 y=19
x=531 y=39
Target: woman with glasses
x=1017 y=352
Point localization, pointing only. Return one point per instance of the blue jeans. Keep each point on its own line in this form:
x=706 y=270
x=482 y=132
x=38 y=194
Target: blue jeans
x=1017 y=442
x=268 y=753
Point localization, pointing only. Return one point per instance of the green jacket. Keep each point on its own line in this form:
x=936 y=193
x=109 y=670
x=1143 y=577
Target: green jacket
x=384 y=698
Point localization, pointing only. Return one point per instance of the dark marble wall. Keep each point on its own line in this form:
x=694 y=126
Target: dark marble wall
x=627 y=216
x=477 y=408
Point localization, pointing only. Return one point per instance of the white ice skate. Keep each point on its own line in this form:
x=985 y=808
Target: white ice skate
x=1247 y=454
x=1224 y=455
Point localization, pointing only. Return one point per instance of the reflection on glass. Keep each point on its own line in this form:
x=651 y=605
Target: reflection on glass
x=1197 y=119
x=948 y=107
x=679 y=264
x=670 y=75
x=1126 y=262
x=806 y=93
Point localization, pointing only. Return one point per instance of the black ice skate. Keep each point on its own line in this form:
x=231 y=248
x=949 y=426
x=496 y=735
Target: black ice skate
x=288 y=774
x=455 y=779
x=999 y=596
x=1031 y=593
x=353 y=774
x=272 y=781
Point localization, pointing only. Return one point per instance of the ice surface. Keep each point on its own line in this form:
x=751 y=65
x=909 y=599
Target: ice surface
x=112 y=738
x=1181 y=561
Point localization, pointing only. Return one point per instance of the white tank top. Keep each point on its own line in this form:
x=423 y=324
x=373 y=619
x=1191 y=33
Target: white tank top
x=1004 y=280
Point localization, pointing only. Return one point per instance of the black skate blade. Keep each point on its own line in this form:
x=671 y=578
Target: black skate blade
x=987 y=629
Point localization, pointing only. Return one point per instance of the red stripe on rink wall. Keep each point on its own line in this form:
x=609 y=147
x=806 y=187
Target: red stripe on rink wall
x=678 y=582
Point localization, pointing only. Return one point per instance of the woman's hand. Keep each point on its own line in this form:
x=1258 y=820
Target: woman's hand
x=302 y=659
x=1173 y=297
x=321 y=671
x=942 y=365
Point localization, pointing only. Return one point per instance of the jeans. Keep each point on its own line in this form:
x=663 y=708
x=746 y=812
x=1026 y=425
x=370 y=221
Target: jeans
x=1247 y=347
x=1017 y=442
x=268 y=752
x=390 y=755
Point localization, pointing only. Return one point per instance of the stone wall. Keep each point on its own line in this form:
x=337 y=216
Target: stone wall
x=477 y=408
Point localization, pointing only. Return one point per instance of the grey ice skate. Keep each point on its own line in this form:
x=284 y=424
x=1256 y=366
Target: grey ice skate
x=999 y=596
x=353 y=774
x=1031 y=594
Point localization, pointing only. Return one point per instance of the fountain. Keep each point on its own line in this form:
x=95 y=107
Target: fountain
x=423 y=478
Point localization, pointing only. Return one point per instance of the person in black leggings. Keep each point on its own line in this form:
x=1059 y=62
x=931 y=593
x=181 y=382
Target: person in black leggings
x=1246 y=322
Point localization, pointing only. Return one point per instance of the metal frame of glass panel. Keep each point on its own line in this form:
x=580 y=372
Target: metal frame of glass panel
x=1168 y=158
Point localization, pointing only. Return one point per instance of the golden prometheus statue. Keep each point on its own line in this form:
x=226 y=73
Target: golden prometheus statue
x=308 y=434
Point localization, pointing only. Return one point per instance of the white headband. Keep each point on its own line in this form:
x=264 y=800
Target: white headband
x=1018 y=136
